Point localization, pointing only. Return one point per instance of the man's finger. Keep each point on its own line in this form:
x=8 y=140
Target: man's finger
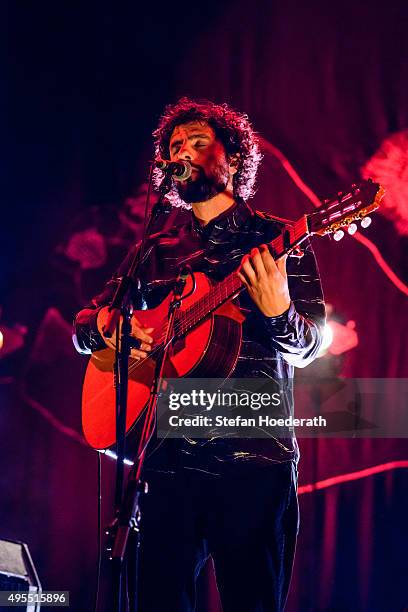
x=268 y=260
x=257 y=263
x=138 y=354
x=145 y=347
x=281 y=263
x=139 y=324
x=141 y=334
x=138 y=344
x=247 y=270
x=243 y=278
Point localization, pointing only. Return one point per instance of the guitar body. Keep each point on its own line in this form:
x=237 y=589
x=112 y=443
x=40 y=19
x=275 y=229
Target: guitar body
x=210 y=349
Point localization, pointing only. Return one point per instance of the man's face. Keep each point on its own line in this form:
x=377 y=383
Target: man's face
x=196 y=143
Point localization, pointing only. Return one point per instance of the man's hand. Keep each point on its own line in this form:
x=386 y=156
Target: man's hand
x=139 y=332
x=266 y=281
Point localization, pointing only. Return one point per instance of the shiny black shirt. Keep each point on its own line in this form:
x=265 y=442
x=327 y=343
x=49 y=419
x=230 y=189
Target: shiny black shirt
x=271 y=346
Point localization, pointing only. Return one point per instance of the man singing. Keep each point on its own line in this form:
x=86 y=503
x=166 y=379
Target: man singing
x=233 y=499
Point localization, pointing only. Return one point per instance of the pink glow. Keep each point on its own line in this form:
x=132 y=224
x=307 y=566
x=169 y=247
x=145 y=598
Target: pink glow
x=348 y=477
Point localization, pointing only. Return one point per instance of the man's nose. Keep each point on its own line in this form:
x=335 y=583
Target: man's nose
x=185 y=152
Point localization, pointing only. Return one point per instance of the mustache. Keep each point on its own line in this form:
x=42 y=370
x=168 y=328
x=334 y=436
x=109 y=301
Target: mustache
x=200 y=171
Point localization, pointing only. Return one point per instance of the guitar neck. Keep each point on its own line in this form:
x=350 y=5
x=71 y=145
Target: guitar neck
x=231 y=286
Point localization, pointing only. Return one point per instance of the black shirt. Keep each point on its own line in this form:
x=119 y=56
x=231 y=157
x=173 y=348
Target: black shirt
x=271 y=346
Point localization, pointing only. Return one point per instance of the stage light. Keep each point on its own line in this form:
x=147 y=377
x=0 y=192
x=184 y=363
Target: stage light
x=327 y=339
x=338 y=338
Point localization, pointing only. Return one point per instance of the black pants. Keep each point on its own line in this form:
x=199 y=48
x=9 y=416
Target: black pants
x=247 y=521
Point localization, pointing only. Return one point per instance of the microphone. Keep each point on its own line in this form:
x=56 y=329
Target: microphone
x=180 y=170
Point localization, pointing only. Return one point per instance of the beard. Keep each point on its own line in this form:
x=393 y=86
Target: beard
x=204 y=186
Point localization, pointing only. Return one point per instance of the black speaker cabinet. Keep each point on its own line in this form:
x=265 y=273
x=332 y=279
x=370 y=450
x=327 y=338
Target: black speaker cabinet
x=17 y=571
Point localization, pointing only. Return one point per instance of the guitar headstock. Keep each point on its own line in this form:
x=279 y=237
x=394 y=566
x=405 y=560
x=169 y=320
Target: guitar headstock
x=341 y=212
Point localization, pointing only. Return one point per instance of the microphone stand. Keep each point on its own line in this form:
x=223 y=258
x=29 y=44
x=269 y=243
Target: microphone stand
x=129 y=518
x=127 y=512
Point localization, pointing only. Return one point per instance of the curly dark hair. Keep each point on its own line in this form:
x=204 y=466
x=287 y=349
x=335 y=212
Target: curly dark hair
x=232 y=128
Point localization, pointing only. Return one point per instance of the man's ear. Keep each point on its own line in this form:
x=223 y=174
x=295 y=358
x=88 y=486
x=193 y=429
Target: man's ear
x=234 y=162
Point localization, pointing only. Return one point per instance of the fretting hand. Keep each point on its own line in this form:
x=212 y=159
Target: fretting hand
x=266 y=281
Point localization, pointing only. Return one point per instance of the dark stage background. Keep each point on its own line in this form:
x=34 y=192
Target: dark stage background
x=326 y=83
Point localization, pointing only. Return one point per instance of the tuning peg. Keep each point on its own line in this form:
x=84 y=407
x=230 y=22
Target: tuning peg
x=338 y=235
x=366 y=222
x=352 y=228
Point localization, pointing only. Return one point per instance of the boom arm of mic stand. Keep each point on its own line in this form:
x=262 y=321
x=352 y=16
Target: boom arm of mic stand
x=115 y=308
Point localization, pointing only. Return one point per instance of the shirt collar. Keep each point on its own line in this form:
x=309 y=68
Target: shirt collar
x=228 y=221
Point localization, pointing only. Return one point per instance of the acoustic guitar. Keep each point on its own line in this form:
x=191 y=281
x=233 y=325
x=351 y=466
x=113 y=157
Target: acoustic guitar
x=208 y=326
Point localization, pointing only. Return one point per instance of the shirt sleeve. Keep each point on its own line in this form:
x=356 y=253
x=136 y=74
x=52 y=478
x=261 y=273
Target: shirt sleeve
x=297 y=334
x=86 y=336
